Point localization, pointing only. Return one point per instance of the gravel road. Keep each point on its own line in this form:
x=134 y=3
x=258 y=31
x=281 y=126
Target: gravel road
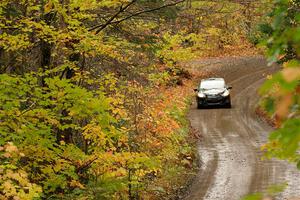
x=231 y=164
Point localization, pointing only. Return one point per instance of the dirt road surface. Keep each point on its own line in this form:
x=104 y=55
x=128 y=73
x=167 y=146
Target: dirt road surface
x=231 y=164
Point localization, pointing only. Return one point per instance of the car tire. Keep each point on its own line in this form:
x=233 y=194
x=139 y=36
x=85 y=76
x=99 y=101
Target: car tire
x=228 y=104
x=199 y=105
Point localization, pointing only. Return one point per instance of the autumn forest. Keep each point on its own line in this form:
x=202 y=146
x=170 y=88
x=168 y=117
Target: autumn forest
x=94 y=93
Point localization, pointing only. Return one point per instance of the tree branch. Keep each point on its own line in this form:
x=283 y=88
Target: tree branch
x=146 y=11
x=103 y=26
x=111 y=20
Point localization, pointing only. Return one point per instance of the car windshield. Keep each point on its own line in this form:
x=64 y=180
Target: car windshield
x=215 y=84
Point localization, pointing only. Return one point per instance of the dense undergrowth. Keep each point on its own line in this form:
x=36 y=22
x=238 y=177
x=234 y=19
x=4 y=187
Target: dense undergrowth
x=152 y=157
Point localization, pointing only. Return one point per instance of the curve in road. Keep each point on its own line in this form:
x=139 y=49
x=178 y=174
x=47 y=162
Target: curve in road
x=231 y=164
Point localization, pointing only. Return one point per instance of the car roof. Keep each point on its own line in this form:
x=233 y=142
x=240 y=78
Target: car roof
x=213 y=79
x=212 y=82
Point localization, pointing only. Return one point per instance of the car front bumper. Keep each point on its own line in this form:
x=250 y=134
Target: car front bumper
x=218 y=100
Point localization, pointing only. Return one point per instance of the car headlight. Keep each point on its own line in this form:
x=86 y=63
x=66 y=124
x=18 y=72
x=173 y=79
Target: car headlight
x=226 y=93
x=201 y=95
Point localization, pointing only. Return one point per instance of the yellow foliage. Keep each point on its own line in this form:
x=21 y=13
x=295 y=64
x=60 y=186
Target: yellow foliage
x=14 y=182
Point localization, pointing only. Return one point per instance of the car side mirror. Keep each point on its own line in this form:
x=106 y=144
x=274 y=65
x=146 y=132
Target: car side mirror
x=229 y=87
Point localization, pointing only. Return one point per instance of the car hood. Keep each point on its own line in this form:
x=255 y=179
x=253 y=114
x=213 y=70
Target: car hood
x=214 y=91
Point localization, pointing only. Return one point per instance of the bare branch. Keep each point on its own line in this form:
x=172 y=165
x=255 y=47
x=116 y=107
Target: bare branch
x=103 y=26
x=146 y=11
x=111 y=20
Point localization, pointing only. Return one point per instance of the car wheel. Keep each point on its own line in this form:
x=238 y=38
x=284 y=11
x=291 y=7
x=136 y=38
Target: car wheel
x=228 y=104
x=199 y=105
